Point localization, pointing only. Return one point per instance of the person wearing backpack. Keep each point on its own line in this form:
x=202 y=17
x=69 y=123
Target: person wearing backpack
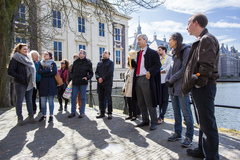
x=180 y=102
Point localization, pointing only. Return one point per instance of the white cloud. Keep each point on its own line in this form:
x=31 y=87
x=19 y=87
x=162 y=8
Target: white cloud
x=233 y=17
x=227 y=40
x=162 y=28
x=222 y=37
x=194 y=6
x=222 y=24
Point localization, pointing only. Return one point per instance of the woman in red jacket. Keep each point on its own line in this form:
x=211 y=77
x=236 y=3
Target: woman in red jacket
x=63 y=74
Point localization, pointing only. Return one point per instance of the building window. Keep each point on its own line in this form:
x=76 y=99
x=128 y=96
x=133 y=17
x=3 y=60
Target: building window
x=118 y=57
x=82 y=47
x=56 y=19
x=122 y=75
x=101 y=29
x=20 y=40
x=101 y=50
x=20 y=16
x=117 y=34
x=81 y=24
x=57 y=51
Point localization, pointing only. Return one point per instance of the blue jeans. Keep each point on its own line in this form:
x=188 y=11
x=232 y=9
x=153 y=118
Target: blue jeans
x=21 y=92
x=182 y=103
x=44 y=104
x=208 y=132
x=75 y=89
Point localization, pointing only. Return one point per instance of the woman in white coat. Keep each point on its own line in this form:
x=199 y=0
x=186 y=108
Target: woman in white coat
x=127 y=90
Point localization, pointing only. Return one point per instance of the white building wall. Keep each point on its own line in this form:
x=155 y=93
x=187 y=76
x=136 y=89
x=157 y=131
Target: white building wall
x=71 y=38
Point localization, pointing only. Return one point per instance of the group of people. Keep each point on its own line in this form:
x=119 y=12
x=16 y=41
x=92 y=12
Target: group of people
x=151 y=78
x=187 y=70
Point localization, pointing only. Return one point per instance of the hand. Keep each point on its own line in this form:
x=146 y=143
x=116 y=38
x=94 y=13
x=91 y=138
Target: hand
x=100 y=80
x=168 y=84
x=85 y=78
x=163 y=71
x=148 y=75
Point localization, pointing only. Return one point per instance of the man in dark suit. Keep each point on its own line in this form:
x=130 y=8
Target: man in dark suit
x=146 y=82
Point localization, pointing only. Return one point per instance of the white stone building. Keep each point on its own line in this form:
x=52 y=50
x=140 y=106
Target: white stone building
x=82 y=30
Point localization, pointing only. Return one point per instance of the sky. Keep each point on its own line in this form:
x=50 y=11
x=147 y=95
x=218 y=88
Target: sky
x=172 y=16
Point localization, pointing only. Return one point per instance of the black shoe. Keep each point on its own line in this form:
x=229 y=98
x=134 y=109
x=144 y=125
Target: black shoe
x=81 y=115
x=42 y=118
x=109 y=116
x=153 y=127
x=100 y=116
x=142 y=124
x=65 y=108
x=71 y=115
x=133 y=119
x=130 y=117
x=50 y=119
x=195 y=153
x=60 y=109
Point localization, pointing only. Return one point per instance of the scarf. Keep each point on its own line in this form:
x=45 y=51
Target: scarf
x=30 y=68
x=47 y=63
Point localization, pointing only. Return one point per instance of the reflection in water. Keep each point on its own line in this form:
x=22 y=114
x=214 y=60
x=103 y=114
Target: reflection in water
x=227 y=94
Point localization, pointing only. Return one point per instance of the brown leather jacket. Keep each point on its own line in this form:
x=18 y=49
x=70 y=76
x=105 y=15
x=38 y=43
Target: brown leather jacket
x=203 y=58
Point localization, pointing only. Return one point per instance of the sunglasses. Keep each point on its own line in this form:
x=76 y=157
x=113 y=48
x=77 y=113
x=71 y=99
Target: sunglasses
x=62 y=63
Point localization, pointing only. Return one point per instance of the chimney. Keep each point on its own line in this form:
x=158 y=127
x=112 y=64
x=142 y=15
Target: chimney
x=164 y=38
x=154 y=36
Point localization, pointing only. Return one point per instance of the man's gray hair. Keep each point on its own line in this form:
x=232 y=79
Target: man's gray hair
x=144 y=36
x=84 y=52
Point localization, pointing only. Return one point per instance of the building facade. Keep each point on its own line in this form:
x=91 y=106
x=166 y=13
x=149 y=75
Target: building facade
x=65 y=35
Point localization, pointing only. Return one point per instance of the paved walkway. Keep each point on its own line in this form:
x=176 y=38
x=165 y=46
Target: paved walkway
x=91 y=138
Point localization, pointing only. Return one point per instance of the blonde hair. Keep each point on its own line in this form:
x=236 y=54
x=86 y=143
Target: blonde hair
x=17 y=48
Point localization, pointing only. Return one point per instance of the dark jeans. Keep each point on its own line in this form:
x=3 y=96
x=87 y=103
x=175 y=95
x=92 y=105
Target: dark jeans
x=103 y=91
x=164 y=104
x=34 y=96
x=21 y=92
x=61 y=90
x=144 y=100
x=132 y=107
x=208 y=132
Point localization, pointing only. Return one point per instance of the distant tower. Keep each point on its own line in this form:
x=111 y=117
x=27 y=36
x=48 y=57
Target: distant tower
x=164 y=38
x=135 y=45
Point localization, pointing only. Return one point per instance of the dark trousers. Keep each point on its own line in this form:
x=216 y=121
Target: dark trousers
x=61 y=90
x=34 y=96
x=144 y=99
x=132 y=107
x=208 y=132
x=163 y=106
x=103 y=91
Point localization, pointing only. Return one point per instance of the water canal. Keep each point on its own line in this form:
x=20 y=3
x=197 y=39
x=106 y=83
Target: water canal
x=227 y=94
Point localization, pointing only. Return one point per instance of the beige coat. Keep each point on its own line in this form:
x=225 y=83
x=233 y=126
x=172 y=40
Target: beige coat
x=128 y=83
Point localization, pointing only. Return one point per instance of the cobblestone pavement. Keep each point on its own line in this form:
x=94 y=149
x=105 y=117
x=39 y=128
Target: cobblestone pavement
x=91 y=138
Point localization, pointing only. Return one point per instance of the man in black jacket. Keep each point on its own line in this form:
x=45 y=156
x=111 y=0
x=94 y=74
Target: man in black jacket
x=104 y=76
x=81 y=72
x=146 y=82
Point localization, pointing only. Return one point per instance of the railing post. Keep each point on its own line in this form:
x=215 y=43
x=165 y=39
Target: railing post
x=90 y=95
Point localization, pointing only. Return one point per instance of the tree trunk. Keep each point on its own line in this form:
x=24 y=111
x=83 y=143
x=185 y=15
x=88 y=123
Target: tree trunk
x=6 y=44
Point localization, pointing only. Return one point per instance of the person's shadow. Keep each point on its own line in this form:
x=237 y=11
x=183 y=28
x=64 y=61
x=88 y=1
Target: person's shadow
x=44 y=139
x=121 y=128
x=86 y=128
x=15 y=140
